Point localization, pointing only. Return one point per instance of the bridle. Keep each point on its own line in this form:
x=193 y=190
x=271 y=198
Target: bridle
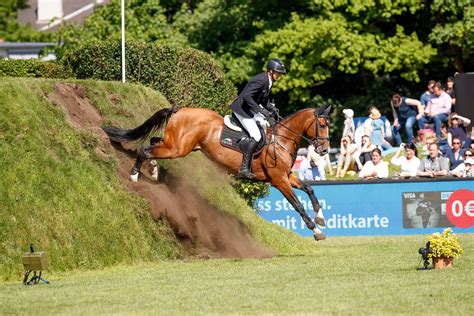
x=317 y=139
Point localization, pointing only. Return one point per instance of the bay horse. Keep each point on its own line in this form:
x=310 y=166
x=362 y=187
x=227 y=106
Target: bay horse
x=192 y=129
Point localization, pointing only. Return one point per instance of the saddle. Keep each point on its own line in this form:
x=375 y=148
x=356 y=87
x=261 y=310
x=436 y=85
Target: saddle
x=233 y=133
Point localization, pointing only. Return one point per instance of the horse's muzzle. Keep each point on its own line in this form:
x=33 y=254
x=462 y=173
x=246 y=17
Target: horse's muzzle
x=321 y=150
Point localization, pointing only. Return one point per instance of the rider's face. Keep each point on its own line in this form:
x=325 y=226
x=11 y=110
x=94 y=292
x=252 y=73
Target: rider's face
x=275 y=75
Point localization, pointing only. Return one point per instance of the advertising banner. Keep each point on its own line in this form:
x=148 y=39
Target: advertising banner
x=379 y=208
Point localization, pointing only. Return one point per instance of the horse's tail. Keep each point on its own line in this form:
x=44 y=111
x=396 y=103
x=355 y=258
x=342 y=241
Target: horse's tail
x=142 y=132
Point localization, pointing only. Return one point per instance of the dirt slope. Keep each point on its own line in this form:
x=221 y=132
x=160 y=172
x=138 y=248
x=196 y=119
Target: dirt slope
x=203 y=229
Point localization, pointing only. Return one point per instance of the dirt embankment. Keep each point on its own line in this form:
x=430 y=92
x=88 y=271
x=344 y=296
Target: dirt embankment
x=203 y=229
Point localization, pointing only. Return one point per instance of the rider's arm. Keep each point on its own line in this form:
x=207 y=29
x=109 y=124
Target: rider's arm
x=253 y=88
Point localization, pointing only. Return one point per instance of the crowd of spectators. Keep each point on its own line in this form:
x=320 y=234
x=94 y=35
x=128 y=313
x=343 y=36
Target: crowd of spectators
x=437 y=141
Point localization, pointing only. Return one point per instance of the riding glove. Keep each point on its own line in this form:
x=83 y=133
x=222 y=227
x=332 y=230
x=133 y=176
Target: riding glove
x=265 y=112
x=271 y=121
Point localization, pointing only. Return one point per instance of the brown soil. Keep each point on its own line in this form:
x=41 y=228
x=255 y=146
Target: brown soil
x=203 y=230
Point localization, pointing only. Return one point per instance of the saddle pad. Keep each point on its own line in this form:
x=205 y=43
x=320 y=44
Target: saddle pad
x=229 y=138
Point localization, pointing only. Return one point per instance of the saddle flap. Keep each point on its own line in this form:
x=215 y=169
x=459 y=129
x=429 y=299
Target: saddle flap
x=232 y=123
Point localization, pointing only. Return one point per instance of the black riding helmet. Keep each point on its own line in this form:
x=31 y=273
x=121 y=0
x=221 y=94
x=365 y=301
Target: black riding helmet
x=276 y=65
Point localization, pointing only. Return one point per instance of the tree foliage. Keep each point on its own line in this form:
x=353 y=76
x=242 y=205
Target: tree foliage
x=10 y=30
x=144 y=19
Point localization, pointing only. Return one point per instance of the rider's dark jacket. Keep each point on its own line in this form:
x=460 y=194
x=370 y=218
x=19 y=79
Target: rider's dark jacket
x=256 y=92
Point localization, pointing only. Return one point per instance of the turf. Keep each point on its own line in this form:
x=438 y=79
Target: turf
x=363 y=275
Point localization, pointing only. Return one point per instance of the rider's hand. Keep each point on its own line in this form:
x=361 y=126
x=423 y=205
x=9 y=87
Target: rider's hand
x=265 y=112
x=272 y=108
x=271 y=121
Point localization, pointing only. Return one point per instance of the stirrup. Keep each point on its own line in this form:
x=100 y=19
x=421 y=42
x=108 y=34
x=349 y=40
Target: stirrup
x=246 y=175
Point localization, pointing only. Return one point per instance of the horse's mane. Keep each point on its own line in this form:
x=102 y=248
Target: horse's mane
x=290 y=117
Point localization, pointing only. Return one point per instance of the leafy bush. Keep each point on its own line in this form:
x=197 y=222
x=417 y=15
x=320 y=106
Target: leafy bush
x=185 y=76
x=251 y=190
x=32 y=68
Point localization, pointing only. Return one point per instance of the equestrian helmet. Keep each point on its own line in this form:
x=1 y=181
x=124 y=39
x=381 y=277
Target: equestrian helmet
x=276 y=65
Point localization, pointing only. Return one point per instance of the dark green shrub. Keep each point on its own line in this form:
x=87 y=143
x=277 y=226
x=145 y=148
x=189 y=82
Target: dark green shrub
x=185 y=76
x=32 y=68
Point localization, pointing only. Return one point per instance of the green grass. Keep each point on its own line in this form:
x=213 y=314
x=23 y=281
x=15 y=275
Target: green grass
x=362 y=275
x=58 y=194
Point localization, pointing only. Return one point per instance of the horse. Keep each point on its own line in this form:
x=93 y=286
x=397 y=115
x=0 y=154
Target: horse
x=198 y=129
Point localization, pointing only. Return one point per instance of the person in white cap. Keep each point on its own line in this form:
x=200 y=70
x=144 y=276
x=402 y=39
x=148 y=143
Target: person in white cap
x=349 y=126
x=469 y=168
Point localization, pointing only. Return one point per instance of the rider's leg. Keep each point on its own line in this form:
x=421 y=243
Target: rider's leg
x=249 y=146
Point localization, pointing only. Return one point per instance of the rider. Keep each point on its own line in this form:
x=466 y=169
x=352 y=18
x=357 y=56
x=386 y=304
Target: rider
x=252 y=106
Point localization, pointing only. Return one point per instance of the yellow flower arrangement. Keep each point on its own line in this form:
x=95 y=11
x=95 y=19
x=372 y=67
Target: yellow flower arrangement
x=445 y=245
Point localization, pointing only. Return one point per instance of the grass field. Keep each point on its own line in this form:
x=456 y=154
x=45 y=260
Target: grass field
x=359 y=275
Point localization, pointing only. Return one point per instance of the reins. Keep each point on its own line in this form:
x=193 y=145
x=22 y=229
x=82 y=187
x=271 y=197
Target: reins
x=313 y=142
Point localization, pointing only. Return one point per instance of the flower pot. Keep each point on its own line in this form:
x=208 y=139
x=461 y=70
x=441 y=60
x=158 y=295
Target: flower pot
x=442 y=262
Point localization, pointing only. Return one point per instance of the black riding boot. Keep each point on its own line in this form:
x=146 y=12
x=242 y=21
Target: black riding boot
x=246 y=168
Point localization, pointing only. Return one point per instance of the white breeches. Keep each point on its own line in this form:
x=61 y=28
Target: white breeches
x=251 y=126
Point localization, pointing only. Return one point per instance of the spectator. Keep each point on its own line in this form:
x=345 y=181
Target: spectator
x=365 y=152
x=346 y=156
x=457 y=128
x=455 y=153
x=376 y=168
x=307 y=172
x=450 y=90
x=428 y=94
x=428 y=141
x=377 y=133
x=459 y=171
x=320 y=162
x=409 y=163
x=368 y=122
x=349 y=127
x=300 y=154
x=434 y=165
x=469 y=168
x=405 y=113
x=437 y=110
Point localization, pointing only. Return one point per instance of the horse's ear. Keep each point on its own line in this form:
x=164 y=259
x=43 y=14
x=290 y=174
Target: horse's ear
x=320 y=110
x=327 y=110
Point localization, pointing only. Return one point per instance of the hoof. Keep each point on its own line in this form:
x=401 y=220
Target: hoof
x=154 y=174
x=320 y=221
x=319 y=237
x=134 y=177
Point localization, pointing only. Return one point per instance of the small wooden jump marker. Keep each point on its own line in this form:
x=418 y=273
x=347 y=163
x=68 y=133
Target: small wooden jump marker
x=34 y=262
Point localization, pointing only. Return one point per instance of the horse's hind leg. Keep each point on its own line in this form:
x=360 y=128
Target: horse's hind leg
x=284 y=186
x=165 y=149
x=298 y=184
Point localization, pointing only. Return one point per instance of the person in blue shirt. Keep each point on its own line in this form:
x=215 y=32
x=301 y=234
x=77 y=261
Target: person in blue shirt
x=406 y=112
x=428 y=94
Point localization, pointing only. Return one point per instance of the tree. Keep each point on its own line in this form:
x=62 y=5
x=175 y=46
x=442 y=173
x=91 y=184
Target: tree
x=10 y=30
x=145 y=20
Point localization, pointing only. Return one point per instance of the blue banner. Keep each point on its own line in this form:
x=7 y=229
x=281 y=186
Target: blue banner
x=378 y=208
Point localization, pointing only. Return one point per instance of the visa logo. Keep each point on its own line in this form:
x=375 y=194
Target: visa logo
x=409 y=195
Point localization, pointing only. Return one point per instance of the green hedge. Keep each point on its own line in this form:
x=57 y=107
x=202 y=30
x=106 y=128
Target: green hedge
x=32 y=68
x=185 y=76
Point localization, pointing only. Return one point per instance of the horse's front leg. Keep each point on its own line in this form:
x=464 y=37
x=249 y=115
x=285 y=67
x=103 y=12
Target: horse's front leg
x=284 y=186
x=298 y=184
